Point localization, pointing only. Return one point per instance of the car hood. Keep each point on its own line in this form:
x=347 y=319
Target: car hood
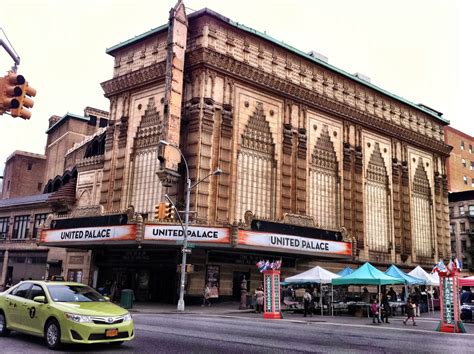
x=91 y=308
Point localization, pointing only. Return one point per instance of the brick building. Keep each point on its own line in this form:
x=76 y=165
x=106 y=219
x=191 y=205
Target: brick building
x=460 y=165
x=23 y=174
x=319 y=166
x=461 y=215
x=36 y=186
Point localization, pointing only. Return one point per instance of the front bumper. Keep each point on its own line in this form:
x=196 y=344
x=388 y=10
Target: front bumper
x=88 y=333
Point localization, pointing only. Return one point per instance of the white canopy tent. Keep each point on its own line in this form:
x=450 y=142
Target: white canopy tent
x=314 y=275
x=430 y=279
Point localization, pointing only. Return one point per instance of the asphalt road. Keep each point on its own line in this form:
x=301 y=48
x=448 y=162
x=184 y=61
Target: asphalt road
x=173 y=333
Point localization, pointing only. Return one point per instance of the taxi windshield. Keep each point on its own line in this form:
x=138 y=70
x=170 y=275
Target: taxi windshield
x=74 y=293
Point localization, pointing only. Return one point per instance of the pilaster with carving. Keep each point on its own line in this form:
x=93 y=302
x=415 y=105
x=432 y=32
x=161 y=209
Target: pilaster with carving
x=301 y=164
x=359 y=191
x=287 y=162
x=397 y=200
x=347 y=178
x=406 y=213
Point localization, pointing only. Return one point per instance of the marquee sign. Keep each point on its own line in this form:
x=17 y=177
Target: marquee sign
x=284 y=243
x=195 y=234
x=89 y=234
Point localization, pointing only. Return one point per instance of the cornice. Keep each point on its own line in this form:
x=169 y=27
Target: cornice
x=227 y=65
x=134 y=79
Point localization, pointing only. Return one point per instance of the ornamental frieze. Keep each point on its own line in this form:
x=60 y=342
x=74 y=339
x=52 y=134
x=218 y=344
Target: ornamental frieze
x=230 y=66
x=134 y=79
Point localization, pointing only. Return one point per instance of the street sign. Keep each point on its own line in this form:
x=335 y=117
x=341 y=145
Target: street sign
x=185 y=250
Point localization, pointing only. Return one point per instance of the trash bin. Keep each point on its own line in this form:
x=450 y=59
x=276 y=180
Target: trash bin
x=126 y=298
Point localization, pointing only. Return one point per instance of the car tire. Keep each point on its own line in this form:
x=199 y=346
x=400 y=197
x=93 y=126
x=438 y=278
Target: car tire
x=4 y=331
x=52 y=334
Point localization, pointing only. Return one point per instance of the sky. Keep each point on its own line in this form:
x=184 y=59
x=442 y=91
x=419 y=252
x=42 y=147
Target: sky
x=420 y=50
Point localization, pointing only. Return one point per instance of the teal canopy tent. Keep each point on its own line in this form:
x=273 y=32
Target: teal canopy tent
x=396 y=272
x=345 y=271
x=367 y=274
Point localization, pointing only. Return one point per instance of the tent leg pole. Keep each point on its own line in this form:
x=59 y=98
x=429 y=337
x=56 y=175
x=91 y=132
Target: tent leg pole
x=332 y=300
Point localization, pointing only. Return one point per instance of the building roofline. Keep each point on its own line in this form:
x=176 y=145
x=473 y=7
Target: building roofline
x=458 y=132
x=25 y=153
x=64 y=118
x=205 y=11
x=26 y=200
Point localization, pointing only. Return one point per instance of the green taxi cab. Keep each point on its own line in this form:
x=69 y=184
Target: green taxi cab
x=63 y=312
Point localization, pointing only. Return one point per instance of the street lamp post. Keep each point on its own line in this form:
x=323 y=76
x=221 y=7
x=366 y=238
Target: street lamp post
x=184 y=250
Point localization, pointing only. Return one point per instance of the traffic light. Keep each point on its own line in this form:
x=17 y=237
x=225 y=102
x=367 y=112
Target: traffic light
x=24 y=99
x=10 y=91
x=169 y=211
x=157 y=211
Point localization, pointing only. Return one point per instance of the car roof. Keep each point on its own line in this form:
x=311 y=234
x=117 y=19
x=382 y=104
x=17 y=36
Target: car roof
x=47 y=282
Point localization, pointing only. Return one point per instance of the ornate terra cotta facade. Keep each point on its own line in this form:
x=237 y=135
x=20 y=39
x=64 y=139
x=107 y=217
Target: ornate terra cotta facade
x=299 y=142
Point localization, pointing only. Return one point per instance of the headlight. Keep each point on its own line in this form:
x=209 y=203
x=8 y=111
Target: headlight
x=127 y=317
x=77 y=318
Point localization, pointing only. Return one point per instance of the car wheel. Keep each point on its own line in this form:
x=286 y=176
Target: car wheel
x=52 y=334
x=4 y=331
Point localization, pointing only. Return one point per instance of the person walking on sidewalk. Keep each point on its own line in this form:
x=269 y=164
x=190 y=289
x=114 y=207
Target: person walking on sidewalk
x=410 y=312
x=259 y=296
x=307 y=302
x=374 y=308
x=205 y=298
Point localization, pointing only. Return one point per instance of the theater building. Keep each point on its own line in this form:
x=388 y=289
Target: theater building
x=319 y=166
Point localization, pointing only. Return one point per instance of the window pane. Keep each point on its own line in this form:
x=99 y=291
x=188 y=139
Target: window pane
x=20 y=227
x=39 y=219
x=4 y=227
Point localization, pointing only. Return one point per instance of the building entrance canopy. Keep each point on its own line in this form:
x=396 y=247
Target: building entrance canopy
x=199 y=236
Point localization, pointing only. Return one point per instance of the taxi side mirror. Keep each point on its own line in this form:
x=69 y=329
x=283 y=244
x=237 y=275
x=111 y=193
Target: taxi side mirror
x=107 y=298
x=40 y=299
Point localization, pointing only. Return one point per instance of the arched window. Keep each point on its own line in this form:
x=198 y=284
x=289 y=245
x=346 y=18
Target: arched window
x=323 y=183
x=422 y=215
x=377 y=222
x=146 y=186
x=256 y=169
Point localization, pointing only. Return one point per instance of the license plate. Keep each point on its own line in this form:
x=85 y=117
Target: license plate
x=113 y=332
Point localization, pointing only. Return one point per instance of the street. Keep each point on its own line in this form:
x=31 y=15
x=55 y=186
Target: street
x=249 y=333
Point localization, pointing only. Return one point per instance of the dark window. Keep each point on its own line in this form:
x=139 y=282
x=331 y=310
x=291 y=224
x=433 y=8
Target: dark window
x=8 y=185
x=463 y=163
x=462 y=145
x=22 y=290
x=92 y=120
x=472 y=165
x=4 y=227
x=451 y=228
x=39 y=219
x=465 y=180
x=470 y=148
x=35 y=291
x=451 y=211
x=20 y=227
x=462 y=226
x=103 y=122
x=30 y=166
x=40 y=185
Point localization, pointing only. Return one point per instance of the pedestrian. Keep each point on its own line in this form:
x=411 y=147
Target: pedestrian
x=8 y=284
x=385 y=310
x=259 y=297
x=365 y=296
x=416 y=297
x=113 y=291
x=206 y=296
x=411 y=306
x=307 y=302
x=374 y=308
x=392 y=294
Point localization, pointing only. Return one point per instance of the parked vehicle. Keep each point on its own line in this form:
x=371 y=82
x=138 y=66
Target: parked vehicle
x=63 y=312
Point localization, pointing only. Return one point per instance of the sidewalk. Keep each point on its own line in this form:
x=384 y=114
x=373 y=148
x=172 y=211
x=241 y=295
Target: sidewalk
x=426 y=322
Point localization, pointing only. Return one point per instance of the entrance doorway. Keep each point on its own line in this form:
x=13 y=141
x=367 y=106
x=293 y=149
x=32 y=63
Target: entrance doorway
x=237 y=281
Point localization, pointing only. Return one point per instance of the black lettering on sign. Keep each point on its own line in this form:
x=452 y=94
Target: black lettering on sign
x=32 y=312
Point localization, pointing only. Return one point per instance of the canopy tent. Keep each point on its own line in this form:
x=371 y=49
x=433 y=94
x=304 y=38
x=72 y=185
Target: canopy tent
x=430 y=279
x=367 y=274
x=313 y=275
x=345 y=271
x=469 y=281
x=396 y=272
